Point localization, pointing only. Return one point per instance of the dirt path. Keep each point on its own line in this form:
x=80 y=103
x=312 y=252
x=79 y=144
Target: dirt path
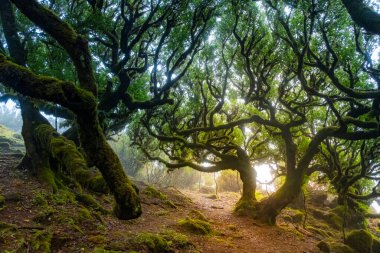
x=76 y=229
x=240 y=234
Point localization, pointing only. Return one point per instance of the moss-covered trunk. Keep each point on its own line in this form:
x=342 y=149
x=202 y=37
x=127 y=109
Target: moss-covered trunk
x=38 y=156
x=246 y=203
x=99 y=152
x=269 y=208
x=248 y=177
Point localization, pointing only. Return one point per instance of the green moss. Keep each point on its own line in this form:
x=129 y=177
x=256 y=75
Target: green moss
x=167 y=241
x=97 y=239
x=196 y=226
x=44 y=215
x=40 y=200
x=41 y=241
x=153 y=192
x=195 y=214
x=84 y=214
x=90 y=201
x=62 y=197
x=98 y=184
x=323 y=232
x=2 y=201
x=245 y=206
x=355 y=217
x=334 y=220
x=360 y=240
x=294 y=215
x=63 y=150
x=154 y=242
x=324 y=247
x=70 y=223
x=46 y=175
x=329 y=246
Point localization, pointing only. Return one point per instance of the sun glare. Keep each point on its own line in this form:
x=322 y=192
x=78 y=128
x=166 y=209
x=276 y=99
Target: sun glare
x=264 y=177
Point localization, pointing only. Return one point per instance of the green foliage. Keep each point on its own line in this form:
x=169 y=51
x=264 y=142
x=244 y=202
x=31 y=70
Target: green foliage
x=196 y=226
x=360 y=240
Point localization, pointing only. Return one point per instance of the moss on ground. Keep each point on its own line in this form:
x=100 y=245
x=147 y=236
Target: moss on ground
x=245 y=206
x=195 y=214
x=153 y=192
x=196 y=226
x=327 y=246
x=41 y=241
x=45 y=215
x=360 y=240
x=166 y=241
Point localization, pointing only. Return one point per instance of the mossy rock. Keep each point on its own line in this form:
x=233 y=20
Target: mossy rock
x=334 y=220
x=195 y=214
x=360 y=240
x=355 y=218
x=153 y=192
x=322 y=232
x=293 y=215
x=196 y=226
x=334 y=247
x=167 y=241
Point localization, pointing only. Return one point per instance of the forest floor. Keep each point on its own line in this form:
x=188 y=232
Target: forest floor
x=33 y=219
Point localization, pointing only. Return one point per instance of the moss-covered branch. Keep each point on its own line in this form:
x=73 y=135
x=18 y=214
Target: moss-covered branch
x=50 y=89
x=74 y=44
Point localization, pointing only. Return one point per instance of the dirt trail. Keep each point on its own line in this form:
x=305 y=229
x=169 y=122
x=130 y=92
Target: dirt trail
x=242 y=234
x=75 y=232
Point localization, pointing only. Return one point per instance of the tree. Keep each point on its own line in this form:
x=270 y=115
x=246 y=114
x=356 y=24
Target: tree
x=134 y=44
x=299 y=84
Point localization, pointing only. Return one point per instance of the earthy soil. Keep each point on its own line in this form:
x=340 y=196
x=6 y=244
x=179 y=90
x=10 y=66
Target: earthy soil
x=73 y=229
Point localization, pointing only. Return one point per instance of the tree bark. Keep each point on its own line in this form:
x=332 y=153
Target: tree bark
x=248 y=177
x=81 y=101
x=363 y=15
x=269 y=208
